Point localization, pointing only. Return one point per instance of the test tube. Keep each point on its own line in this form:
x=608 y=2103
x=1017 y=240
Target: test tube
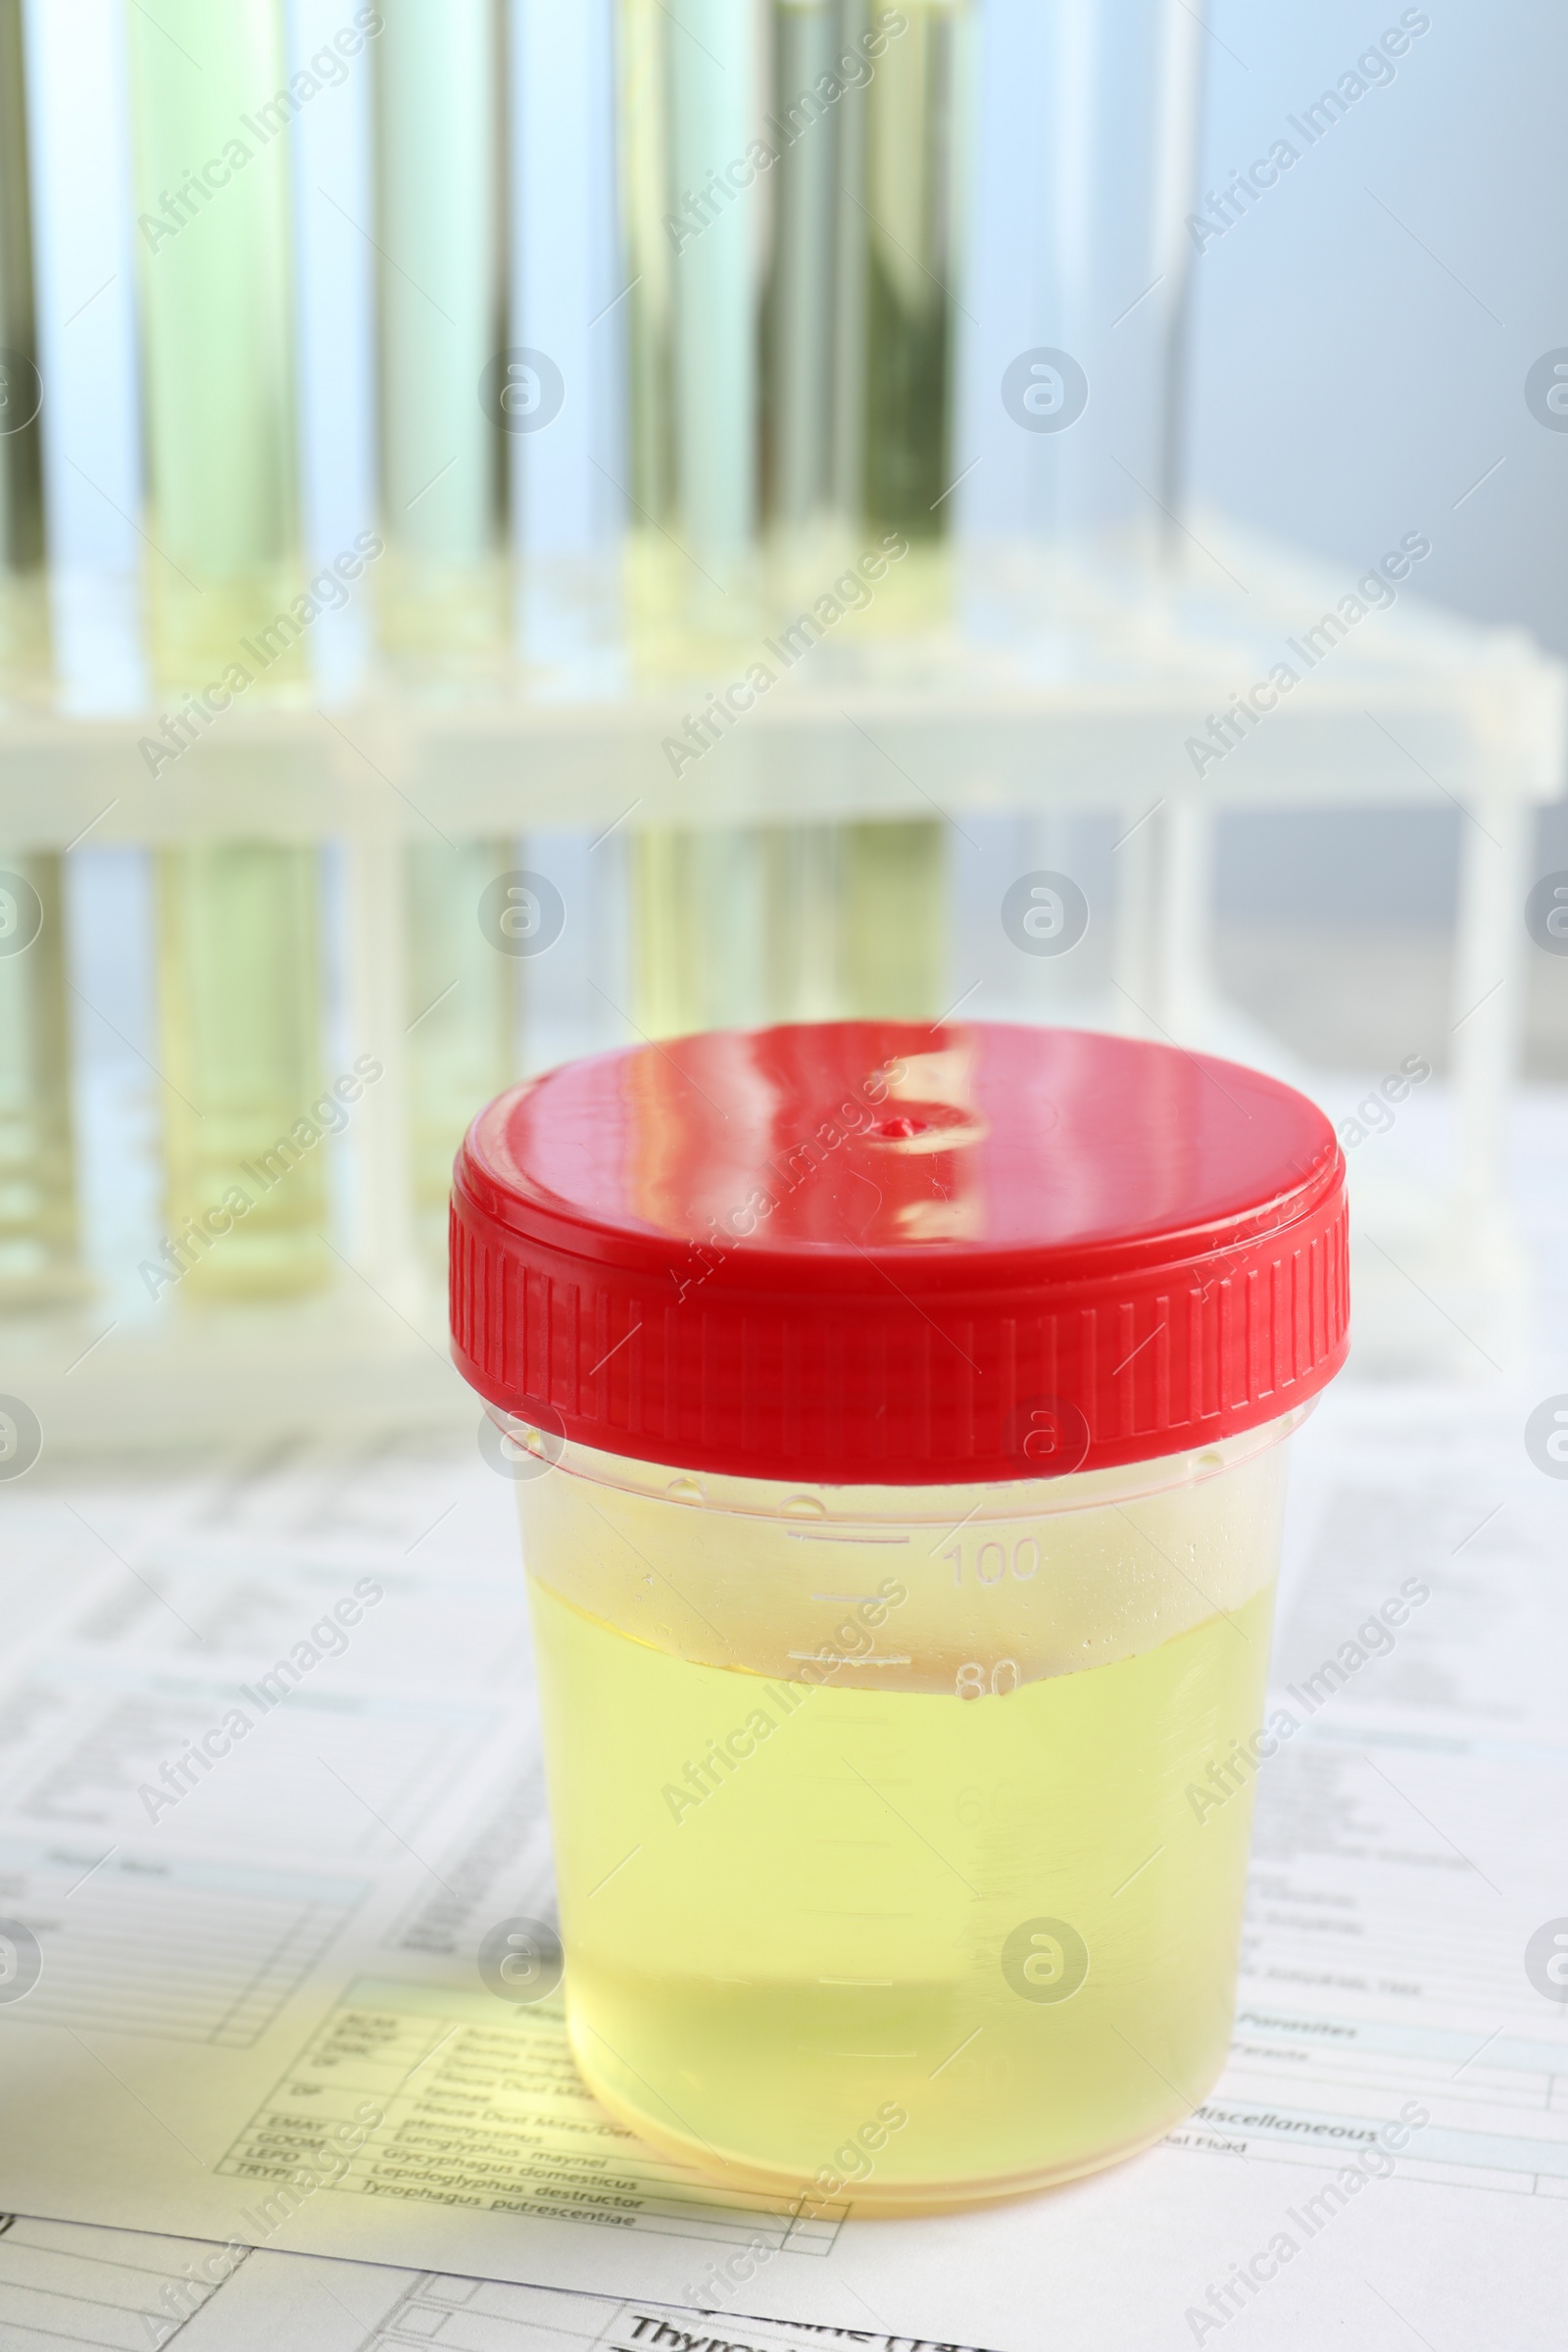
x=37 y=1165
x=24 y=629
x=645 y=172
x=239 y=989
x=803 y=887
x=800 y=317
x=37 y=1172
x=441 y=312
x=441 y=316
x=1085 y=155
x=907 y=200
x=239 y=1009
x=801 y=863
x=462 y=1016
x=569 y=301
x=898 y=258
x=713 y=77
x=699 y=920
x=848 y=380
x=659 y=990
x=690 y=82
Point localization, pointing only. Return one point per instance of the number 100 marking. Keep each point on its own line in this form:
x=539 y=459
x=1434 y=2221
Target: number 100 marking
x=991 y=1561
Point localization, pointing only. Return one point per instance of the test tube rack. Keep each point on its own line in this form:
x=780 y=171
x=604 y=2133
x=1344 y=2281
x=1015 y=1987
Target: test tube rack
x=1057 y=684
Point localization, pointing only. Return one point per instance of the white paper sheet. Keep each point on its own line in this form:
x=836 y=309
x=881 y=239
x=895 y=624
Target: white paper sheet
x=293 y=1935
x=66 y=2283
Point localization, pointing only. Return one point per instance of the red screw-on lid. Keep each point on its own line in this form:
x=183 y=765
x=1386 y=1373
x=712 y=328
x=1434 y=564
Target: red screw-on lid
x=878 y=1253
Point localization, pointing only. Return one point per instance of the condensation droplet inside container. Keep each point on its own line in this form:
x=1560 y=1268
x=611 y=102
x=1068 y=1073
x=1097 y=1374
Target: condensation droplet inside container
x=805 y=1506
x=685 y=1489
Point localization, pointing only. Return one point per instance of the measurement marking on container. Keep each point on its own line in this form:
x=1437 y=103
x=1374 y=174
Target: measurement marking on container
x=865 y=1600
x=1139 y=1872
x=615 y=1873
x=958 y=2053
x=860 y=1984
x=801 y=1535
x=813 y=1658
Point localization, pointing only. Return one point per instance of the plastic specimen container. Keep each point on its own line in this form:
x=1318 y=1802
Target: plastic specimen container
x=899 y=1420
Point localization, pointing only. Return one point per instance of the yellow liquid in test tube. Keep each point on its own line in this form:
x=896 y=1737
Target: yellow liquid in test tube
x=237 y=921
x=865 y=1914
x=37 y=1170
x=898 y=302
x=441 y=316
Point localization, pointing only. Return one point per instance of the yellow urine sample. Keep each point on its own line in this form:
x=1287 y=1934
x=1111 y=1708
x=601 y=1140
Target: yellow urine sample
x=932 y=1946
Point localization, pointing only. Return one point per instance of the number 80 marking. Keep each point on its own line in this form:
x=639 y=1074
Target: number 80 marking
x=971 y=1678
